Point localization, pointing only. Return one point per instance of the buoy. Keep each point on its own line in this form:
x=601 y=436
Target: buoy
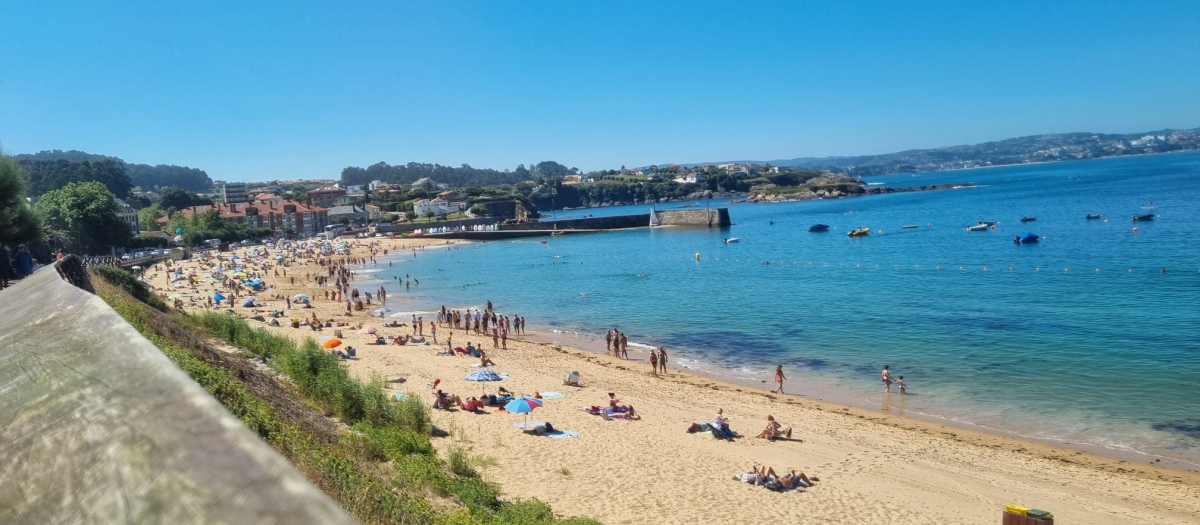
x=1131 y=270
x=1037 y=269
x=1010 y=268
x=1097 y=270
x=985 y=268
x=960 y=267
x=697 y=256
x=938 y=267
x=1066 y=269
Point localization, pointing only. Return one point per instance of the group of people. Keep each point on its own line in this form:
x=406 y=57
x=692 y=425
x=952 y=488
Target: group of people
x=20 y=265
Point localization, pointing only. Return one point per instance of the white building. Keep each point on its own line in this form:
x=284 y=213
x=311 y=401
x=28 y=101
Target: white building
x=129 y=215
x=690 y=178
x=438 y=206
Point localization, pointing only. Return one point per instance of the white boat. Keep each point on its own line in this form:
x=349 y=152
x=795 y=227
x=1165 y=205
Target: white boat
x=732 y=240
x=977 y=228
x=653 y=218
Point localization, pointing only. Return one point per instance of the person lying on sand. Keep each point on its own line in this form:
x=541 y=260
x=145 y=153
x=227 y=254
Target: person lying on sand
x=471 y=404
x=765 y=476
x=484 y=360
x=628 y=414
x=774 y=430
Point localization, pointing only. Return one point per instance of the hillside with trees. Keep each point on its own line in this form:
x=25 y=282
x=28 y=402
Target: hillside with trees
x=45 y=168
x=462 y=176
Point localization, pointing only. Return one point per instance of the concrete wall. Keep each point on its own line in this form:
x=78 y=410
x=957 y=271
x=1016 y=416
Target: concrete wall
x=695 y=217
x=587 y=223
x=100 y=427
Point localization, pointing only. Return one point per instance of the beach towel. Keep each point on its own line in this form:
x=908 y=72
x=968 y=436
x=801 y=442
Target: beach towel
x=563 y=434
x=398 y=396
x=553 y=395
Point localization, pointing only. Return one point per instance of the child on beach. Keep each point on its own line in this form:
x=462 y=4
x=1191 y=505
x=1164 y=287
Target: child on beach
x=900 y=383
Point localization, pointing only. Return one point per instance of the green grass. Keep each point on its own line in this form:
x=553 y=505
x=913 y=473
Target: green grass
x=382 y=470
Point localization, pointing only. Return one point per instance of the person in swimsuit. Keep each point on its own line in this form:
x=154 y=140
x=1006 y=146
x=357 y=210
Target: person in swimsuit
x=654 y=363
x=774 y=430
x=662 y=359
x=900 y=383
x=779 y=378
x=624 y=347
x=887 y=379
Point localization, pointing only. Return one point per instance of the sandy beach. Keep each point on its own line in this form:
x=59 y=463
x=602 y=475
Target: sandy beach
x=873 y=468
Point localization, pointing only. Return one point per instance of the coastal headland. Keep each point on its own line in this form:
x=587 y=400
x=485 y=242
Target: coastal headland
x=873 y=468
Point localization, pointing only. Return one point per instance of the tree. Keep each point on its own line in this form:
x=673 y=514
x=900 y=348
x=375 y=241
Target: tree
x=175 y=197
x=148 y=217
x=429 y=214
x=18 y=222
x=479 y=210
x=46 y=175
x=87 y=211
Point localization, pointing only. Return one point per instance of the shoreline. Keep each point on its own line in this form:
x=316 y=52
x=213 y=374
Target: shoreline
x=820 y=389
x=961 y=475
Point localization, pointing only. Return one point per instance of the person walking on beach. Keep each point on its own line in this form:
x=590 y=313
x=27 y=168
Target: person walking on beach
x=887 y=379
x=495 y=338
x=608 y=337
x=779 y=378
x=624 y=347
x=662 y=359
x=654 y=363
x=433 y=332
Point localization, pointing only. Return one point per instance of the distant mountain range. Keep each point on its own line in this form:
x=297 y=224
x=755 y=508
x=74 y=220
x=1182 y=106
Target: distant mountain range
x=1020 y=150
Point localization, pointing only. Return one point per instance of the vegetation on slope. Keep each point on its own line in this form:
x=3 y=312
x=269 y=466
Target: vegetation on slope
x=383 y=469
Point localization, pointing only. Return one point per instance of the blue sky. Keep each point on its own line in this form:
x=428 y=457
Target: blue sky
x=264 y=90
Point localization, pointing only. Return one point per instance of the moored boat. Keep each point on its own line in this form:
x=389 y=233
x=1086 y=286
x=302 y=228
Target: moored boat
x=1028 y=219
x=819 y=228
x=1143 y=217
x=731 y=240
x=861 y=232
x=981 y=227
x=910 y=226
x=1091 y=216
x=1026 y=238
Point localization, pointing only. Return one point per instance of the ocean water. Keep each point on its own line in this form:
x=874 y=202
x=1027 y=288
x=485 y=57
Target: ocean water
x=1080 y=338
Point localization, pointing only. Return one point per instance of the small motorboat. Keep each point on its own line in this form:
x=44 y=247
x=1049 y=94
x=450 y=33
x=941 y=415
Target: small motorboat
x=1091 y=216
x=1028 y=219
x=910 y=226
x=1026 y=238
x=981 y=227
x=861 y=232
x=1144 y=217
x=557 y=233
x=818 y=228
x=731 y=240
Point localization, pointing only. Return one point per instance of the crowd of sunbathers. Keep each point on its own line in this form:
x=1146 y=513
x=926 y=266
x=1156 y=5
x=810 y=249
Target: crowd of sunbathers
x=719 y=427
x=445 y=401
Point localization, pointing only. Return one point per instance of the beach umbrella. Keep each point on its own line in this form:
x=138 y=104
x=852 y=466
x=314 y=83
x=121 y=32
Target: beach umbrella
x=332 y=343
x=278 y=256
x=367 y=330
x=483 y=375
x=234 y=257
x=523 y=405
x=300 y=297
x=218 y=297
x=135 y=267
x=248 y=302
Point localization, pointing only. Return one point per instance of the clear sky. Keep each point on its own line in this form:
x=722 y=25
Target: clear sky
x=255 y=90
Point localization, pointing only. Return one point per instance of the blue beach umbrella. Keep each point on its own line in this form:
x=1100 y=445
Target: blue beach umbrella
x=248 y=302
x=523 y=405
x=483 y=375
x=300 y=297
x=218 y=298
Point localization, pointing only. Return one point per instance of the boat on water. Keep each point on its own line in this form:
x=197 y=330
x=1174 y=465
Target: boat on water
x=1026 y=238
x=977 y=228
x=1091 y=216
x=653 y=218
x=910 y=226
x=1146 y=216
x=557 y=233
x=861 y=232
x=819 y=228
x=731 y=240
x=1028 y=219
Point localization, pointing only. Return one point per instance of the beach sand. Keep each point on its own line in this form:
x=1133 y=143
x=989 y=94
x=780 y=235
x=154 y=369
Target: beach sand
x=873 y=468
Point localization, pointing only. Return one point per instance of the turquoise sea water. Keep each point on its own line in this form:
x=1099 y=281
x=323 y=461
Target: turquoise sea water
x=1030 y=339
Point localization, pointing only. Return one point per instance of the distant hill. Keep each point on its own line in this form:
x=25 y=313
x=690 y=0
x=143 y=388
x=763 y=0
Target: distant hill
x=1020 y=150
x=144 y=175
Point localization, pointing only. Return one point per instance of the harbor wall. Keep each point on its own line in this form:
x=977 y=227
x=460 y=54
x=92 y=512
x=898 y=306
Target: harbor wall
x=586 y=223
x=695 y=217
